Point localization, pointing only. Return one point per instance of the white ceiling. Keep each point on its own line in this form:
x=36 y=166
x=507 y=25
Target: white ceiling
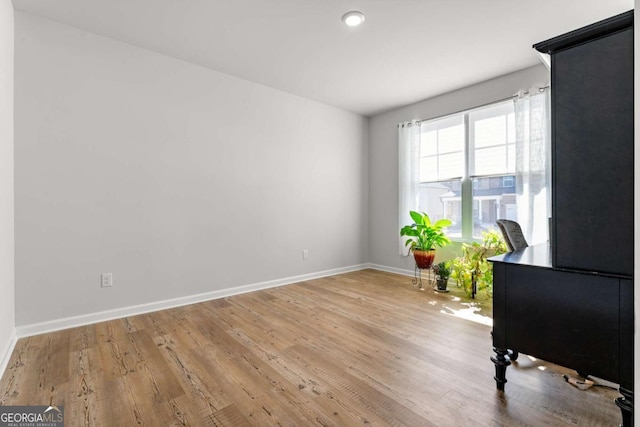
x=406 y=51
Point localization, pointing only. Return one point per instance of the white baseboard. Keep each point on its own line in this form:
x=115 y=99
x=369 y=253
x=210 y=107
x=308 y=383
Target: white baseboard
x=391 y=269
x=6 y=355
x=395 y=270
x=87 y=319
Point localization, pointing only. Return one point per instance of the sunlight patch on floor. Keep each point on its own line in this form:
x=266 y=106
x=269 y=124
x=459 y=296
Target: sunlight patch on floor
x=470 y=312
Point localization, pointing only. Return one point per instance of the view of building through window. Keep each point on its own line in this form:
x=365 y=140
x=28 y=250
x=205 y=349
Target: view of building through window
x=493 y=198
x=443 y=200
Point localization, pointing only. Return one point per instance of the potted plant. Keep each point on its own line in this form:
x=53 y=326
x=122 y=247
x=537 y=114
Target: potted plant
x=424 y=237
x=472 y=271
x=442 y=271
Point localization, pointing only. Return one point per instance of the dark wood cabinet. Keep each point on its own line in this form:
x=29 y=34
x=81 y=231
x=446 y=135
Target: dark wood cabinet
x=571 y=302
x=576 y=319
x=592 y=146
x=581 y=332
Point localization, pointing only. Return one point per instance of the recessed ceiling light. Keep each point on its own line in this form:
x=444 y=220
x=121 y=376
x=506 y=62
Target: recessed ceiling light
x=353 y=18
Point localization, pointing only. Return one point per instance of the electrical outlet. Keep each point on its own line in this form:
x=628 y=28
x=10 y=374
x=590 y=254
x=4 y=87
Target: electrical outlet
x=305 y=254
x=106 y=280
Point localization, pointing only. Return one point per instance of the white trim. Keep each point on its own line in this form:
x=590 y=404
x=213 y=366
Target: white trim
x=6 y=356
x=391 y=269
x=401 y=271
x=87 y=319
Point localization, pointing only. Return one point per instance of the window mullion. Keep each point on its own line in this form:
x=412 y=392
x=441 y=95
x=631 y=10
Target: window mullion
x=438 y=154
x=466 y=188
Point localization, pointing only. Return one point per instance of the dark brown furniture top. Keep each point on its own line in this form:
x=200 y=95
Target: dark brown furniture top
x=592 y=146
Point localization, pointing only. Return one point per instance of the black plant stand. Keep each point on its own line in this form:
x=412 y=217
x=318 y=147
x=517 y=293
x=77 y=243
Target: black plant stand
x=417 y=277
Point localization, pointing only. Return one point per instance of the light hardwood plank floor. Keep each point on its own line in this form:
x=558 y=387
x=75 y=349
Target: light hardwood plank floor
x=364 y=348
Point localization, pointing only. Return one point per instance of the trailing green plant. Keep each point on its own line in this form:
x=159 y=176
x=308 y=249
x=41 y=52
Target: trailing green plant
x=423 y=234
x=472 y=271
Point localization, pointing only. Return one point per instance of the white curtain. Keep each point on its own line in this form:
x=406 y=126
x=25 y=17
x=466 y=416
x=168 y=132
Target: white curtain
x=533 y=163
x=409 y=174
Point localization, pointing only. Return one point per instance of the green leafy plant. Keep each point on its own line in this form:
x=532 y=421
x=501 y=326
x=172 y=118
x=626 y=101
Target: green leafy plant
x=472 y=271
x=442 y=270
x=423 y=234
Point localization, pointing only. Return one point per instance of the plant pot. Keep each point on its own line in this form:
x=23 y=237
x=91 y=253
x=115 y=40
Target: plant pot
x=424 y=259
x=442 y=284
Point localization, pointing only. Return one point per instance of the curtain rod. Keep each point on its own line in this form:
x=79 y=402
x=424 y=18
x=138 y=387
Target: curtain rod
x=541 y=89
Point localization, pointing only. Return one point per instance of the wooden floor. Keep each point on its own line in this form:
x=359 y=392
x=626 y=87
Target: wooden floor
x=364 y=348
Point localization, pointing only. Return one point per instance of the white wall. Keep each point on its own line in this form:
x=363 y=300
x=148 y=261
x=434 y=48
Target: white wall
x=177 y=179
x=383 y=160
x=7 y=295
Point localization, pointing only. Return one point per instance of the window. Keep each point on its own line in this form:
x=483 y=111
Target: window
x=492 y=150
x=480 y=165
x=442 y=165
x=467 y=168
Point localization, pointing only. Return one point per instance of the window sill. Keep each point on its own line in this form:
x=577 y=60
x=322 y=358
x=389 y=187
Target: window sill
x=464 y=240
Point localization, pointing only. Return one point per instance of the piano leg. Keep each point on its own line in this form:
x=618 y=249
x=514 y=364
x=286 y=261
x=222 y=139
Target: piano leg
x=501 y=361
x=625 y=403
